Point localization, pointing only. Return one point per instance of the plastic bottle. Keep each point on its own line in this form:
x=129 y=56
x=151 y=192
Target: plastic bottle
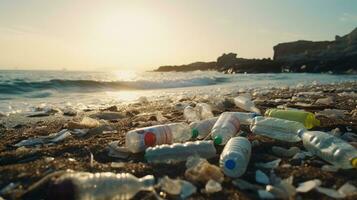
x=139 y=139
x=105 y=185
x=306 y=118
x=225 y=128
x=276 y=128
x=180 y=152
x=235 y=156
x=191 y=114
x=246 y=104
x=202 y=129
x=245 y=118
x=205 y=110
x=330 y=148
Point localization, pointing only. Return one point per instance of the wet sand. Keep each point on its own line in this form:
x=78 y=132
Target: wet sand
x=25 y=166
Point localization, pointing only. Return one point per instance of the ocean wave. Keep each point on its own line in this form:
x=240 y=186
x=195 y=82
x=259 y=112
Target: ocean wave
x=44 y=88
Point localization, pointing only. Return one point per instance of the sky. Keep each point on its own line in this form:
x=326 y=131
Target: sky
x=142 y=35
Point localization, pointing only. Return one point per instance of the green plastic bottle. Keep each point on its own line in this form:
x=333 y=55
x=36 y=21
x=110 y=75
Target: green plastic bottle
x=306 y=118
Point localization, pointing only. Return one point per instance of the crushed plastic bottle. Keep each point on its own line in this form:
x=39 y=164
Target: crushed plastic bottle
x=246 y=104
x=180 y=152
x=276 y=128
x=202 y=129
x=306 y=118
x=330 y=148
x=139 y=139
x=225 y=128
x=105 y=185
x=235 y=156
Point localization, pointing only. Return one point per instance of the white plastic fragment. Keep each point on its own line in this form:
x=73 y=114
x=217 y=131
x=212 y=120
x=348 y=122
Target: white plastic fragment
x=308 y=185
x=177 y=187
x=347 y=189
x=51 y=138
x=324 y=101
x=331 y=192
x=261 y=177
x=213 y=186
x=269 y=165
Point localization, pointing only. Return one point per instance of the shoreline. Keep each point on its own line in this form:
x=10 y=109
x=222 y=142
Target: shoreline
x=25 y=166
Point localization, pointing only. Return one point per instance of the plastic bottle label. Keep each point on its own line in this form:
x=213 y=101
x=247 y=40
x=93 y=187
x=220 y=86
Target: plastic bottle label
x=155 y=136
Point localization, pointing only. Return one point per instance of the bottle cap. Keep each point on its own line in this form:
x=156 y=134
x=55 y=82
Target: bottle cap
x=354 y=162
x=230 y=164
x=194 y=133
x=217 y=140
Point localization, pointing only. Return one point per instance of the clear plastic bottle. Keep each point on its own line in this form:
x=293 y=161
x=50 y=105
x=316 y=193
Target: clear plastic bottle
x=202 y=129
x=225 y=128
x=191 y=114
x=180 y=152
x=246 y=104
x=276 y=128
x=306 y=118
x=139 y=139
x=330 y=148
x=105 y=185
x=235 y=156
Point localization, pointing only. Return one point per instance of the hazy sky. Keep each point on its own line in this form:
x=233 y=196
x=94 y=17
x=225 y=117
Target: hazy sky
x=114 y=34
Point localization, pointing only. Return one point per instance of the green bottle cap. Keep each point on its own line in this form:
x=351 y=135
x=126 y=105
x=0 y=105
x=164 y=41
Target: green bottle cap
x=194 y=133
x=217 y=140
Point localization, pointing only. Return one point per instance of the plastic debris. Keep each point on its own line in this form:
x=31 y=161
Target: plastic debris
x=117 y=151
x=178 y=152
x=306 y=118
x=282 y=152
x=105 y=185
x=235 y=156
x=263 y=194
x=85 y=123
x=245 y=185
x=226 y=127
x=213 y=186
x=308 y=185
x=177 y=187
x=347 y=189
x=246 y=104
x=269 y=165
x=261 y=177
x=204 y=110
x=330 y=192
x=332 y=113
x=325 y=101
x=52 y=138
x=200 y=170
x=191 y=114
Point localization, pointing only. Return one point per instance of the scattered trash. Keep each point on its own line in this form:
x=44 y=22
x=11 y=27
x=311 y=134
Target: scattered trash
x=246 y=104
x=52 y=138
x=332 y=113
x=204 y=110
x=308 y=185
x=275 y=128
x=105 y=185
x=177 y=187
x=235 y=157
x=225 y=128
x=330 y=192
x=116 y=151
x=202 y=129
x=269 y=165
x=213 y=186
x=286 y=185
x=306 y=118
x=325 y=101
x=347 y=189
x=261 y=177
x=179 y=151
x=325 y=146
x=282 y=152
x=200 y=170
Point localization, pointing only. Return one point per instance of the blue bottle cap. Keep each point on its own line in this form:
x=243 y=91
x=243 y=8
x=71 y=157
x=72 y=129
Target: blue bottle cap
x=230 y=164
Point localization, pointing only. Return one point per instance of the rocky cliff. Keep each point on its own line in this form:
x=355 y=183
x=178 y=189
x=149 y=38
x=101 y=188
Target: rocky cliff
x=336 y=56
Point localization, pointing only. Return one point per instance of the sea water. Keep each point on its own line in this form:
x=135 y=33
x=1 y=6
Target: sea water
x=21 y=91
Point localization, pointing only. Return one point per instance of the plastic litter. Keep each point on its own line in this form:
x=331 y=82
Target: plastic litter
x=286 y=185
x=235 y=157
x=52 y=138
x=261 y=177
x=275 y=128
x=347 y=189
x=245 y=118
x=205 y=110
x=177 y=187
x=179 y=151
x=325 y=101
x=306 y=118
x=282 y=152
x=332 y=113
x=191 y=114
x=330 y=192
x=85 y=123
x=330 y=148
x=308 y=185
x=269 y=165
x=200 y=170
x=202 y=129
x=105 y=185
x=117 y=151
x=213 y=187
x=139 y=139
x=225 y=128
x=246 y=104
